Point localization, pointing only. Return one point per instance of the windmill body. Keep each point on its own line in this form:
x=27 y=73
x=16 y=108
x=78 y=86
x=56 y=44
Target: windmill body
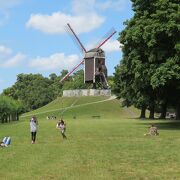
x=95 y=71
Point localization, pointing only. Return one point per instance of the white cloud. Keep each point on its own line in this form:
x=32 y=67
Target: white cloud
x=8 y=59
x=83 y=16
x=54 y=62
x=14 y=61
x=111 y=46
x=4 y=50
x=55 y=23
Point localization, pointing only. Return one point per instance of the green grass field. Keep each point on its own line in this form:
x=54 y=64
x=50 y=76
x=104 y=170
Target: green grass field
x=111 y=147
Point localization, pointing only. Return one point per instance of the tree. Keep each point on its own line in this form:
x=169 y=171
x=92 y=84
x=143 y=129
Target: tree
x=145 y=53
x=166 y=81
x=33 y=90
x=9 y=109
x=76 y=81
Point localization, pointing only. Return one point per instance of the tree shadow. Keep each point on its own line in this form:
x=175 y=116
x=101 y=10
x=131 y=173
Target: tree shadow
x=164 y=124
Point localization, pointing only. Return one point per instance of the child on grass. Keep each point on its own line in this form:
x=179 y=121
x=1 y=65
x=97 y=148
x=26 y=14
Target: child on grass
x=62 y=126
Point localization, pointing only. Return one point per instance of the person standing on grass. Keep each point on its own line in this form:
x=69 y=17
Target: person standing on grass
x=62 y=126
x=33 y=128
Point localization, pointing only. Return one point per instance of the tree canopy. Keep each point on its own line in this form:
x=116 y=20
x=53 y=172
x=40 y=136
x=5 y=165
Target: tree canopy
x=148 y=75
x=9 y=109
x=35 y=91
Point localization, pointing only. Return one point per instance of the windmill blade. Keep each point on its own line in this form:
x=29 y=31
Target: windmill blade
x=75 y=37
x=68 y=74
x=71 y=35
x=106 y=37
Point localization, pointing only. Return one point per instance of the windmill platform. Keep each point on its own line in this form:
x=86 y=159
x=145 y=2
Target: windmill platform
x=86 y=92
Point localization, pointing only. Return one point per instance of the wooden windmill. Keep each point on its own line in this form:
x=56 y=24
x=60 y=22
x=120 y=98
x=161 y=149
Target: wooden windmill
x=95 y=71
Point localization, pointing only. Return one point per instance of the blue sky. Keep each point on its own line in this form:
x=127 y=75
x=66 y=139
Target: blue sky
x=33 y=37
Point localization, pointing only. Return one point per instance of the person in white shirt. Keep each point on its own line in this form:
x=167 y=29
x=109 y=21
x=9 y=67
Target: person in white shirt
x=62 y=126
x=33 y=128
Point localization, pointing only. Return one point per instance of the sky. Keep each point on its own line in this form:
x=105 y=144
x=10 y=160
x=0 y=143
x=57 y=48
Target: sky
x=34 y=37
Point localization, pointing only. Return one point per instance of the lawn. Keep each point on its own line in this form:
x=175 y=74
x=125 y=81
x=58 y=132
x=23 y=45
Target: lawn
x=110 y=147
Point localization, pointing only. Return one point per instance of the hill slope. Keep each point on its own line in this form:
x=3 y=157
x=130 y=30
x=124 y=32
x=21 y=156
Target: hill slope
x=83 y=107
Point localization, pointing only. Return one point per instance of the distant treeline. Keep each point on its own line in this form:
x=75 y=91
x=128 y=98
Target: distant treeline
x=148 y=75
x=34 y=90
x=10 y=109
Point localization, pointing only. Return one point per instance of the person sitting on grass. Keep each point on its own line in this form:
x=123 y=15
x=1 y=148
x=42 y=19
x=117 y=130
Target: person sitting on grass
x=62 y=126
x=5 y=142
x=152 y=131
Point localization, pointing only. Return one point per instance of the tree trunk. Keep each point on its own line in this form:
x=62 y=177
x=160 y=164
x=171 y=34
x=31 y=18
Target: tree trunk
x=17 y=117
x=143 y=113
x=6 y=119
x=163 y=111
x=12 y=117
x=178 y=111
x=9 y=118
x=151 y=115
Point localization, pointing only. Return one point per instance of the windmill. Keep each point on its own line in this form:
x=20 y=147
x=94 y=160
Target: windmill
x=95 y=71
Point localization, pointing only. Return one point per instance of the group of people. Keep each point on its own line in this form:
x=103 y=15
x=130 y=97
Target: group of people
x=61 y=125
x=50 y=117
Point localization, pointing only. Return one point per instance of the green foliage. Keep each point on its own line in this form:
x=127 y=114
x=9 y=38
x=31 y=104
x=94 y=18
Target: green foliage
x=76 y=81
x=150 y=63
x=35 y=91
x=9 y=109
x=166 y=73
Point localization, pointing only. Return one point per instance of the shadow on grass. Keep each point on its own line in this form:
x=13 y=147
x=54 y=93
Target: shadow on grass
x=163 y=124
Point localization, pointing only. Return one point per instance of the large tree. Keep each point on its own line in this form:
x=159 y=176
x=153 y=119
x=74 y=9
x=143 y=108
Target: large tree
x=32 y=89
x=150 y=40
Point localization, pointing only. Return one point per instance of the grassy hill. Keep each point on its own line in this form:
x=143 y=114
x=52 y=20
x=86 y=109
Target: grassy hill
x=109 y=147
x=85 y=107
